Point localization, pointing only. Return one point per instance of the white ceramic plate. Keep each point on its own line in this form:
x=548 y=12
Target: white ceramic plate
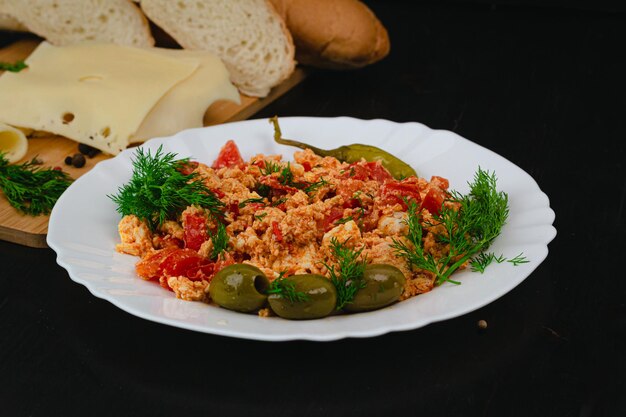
x=83 y=228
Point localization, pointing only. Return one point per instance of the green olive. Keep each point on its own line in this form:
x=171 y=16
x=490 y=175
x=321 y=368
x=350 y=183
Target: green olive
x=239 y=287
x=318 y=298
x=383 y=285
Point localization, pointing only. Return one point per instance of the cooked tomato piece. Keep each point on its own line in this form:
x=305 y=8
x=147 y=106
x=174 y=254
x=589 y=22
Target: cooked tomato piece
x=150 y=266
x=229 y=156
x=393 y=192
x=276 y=185
x=440 y=182
x=307 y=166
x=195 y=230
x=328 y=223
x=378 y=172
x=278 y=234
x=180 y=262
x=234 y=208
x=433 y=200
x=367 y=171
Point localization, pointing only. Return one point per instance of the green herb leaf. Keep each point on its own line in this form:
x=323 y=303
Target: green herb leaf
x=220 y=241
x=286 y=288
x=15 y=67
x=30 y=189
x=348 y=277
x=468 y=231
x=158 y=190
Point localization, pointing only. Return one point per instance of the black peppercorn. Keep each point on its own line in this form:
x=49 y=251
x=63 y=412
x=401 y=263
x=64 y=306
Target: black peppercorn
x=68 y=160
x=88 y=150
x=78 y=160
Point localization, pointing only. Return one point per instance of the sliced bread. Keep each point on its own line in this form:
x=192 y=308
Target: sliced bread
x=64 y=22
x=248 y=35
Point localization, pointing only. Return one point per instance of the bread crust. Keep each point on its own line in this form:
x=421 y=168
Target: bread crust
x=335 y=34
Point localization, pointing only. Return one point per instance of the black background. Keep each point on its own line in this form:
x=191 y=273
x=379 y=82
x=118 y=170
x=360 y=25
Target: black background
x=540 y=83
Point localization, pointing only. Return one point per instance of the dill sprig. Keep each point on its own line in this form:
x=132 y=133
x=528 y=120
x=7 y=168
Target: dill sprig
x=468 y=231
x=348 y=277
x=251 y=200
x=480 y=262
x=30 y=189
x=13 y=67
x=220 y=241
x=286 y=288
x=158 y=190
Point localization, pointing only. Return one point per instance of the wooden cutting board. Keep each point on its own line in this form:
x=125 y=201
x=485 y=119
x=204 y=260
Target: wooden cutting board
x=52 y=150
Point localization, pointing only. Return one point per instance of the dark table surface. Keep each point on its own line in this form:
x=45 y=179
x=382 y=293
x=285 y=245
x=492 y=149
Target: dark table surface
x=543 y=87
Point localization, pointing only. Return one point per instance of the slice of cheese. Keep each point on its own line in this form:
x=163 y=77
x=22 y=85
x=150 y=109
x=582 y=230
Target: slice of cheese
x=184 y=106
x=13 y=143
x=94 y=93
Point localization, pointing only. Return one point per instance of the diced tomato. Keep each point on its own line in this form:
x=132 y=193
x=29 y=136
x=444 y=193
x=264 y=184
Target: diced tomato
x=307 y=166
x=229 y=156
x=150 y=266
x=328 y=223
x=278 y=234
x=275 y=184
x=195 y=230
x=378 y=172
x=433 y=200
x=219 y=193
x=180 y=262
x=368 y=171
x=234 y=208
x=440 y=182
x=393 y=192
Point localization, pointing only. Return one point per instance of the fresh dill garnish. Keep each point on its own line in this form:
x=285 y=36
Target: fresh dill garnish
x=260 y=217
x=286 y=176
x=158 y=190
x=519 y=259
x=314 y=186
x=251 y=200
x=343 y=220
x=270 y=167
x=14 y=67
x=348 y=277
x=279 y=201
x=467 y=231
x=219 y=240
x=480 y=262
x=286 y=288
x=30 y=189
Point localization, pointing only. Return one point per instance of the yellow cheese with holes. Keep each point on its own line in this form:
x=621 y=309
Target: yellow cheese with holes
x=184 y=106
x=93 y=93
x=13 y=143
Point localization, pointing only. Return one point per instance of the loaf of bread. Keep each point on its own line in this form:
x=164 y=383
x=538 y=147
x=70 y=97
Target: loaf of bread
x=64 y=22
x=248 y=35
x=335 y=34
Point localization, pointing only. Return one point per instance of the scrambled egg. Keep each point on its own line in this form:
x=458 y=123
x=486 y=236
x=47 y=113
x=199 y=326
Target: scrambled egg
x=282 y=217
